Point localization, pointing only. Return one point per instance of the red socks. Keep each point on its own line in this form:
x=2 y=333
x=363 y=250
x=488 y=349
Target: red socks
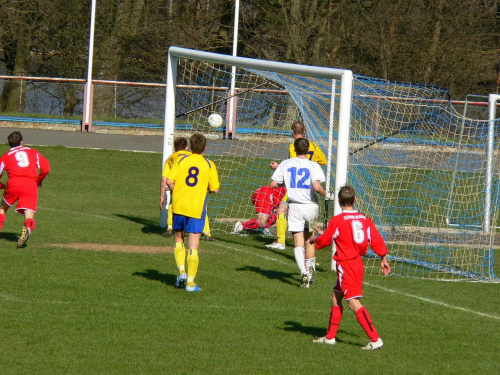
x=365 y=321
x=2 y=220
x=30 y=224
x=335 y=317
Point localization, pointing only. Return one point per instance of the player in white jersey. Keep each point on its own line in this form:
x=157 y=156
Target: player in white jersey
x=302 y=178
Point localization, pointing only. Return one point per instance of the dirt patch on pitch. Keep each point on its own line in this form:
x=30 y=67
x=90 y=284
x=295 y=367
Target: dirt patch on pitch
x=115 y=248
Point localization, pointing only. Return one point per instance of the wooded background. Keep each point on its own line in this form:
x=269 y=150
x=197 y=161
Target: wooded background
x=449 y=43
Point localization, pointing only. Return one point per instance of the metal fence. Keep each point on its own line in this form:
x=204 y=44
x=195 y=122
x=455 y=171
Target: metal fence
x=114 y=104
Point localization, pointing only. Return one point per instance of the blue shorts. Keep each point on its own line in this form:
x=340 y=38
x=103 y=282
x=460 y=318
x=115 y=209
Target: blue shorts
x=188 y=224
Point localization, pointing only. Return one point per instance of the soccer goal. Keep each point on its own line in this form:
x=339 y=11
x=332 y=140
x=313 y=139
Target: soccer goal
x=399 y=145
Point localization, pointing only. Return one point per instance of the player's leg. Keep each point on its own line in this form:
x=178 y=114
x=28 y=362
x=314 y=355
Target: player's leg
x=334 y=320
x=310 y=254
x=300 y=258
x=281 y=224
x=310 y=213
x=365 y=321
x=206 y=230
x=352 y=274
x=195 y=228
x=26 y=205
x=178 y=224
x=169 y=231
x=3 y=210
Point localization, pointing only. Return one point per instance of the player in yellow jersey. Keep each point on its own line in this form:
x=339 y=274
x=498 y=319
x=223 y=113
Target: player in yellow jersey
x=314 y=154
x=180 y=149
x=191 y=178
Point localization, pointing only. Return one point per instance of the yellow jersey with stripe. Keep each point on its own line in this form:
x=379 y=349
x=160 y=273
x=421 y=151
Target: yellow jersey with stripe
x=314 y=153
x=171 y=161
x=193 y=176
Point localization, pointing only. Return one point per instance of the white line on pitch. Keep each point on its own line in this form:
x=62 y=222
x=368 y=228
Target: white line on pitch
x=433 y=301
x=253 y=254
x=83 y=214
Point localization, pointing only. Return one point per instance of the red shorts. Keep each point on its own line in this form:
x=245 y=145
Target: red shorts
x=262 y=201
x=350 y=278
x=24 y=192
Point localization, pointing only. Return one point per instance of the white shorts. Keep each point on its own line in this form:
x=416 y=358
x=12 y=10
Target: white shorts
x=302 y=216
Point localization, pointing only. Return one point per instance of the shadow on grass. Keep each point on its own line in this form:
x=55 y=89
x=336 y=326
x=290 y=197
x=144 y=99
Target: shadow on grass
x=285 y=277
x=7 y=236
x=154 y=275
x=292 y=326
x=148 y=225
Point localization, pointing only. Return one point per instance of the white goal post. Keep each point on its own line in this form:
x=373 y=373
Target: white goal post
x=345 y=77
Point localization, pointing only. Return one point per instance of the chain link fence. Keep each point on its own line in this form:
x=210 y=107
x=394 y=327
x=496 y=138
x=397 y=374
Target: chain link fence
x=114 y=104
x=61 y=101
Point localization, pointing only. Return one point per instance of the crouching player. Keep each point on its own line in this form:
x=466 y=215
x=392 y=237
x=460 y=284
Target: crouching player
x=266 y=200
x=352 y=232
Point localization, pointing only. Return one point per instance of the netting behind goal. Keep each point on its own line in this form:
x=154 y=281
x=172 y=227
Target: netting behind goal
x=419 y=167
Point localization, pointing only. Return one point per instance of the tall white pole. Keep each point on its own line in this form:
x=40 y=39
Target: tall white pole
x=233 y=69
x=88 y=86
x=492 y=104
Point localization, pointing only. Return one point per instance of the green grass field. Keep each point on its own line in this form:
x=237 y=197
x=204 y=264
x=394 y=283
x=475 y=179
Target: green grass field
x=68 y=304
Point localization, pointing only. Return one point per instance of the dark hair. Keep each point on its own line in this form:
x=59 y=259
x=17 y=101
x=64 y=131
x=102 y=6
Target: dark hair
x=180 y=143
x=301 y=146
x=299 y=128
x=15 y=139
x=197 y=142
x=346 y=196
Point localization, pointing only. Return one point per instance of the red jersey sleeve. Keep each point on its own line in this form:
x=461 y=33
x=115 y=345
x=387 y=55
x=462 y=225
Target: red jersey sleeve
x=326 y=239
x=44 y=167
x=375 y=240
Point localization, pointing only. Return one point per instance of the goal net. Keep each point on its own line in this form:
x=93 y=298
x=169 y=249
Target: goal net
x=422 y=171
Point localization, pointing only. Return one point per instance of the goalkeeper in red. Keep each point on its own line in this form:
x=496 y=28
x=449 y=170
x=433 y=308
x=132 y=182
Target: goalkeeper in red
x=22 y=165
x=352 y=232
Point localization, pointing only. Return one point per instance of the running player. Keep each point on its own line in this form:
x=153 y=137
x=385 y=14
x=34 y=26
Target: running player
x=26 y=169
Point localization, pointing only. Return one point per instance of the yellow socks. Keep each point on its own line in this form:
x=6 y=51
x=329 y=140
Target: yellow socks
x=281 y=228
x=192 y=262
x=180 y=257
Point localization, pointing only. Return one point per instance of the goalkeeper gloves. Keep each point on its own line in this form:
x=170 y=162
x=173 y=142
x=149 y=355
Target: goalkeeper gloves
x=330 y=196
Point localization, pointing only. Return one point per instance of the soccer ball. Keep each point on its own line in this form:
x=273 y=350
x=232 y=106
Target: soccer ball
x=215 y=120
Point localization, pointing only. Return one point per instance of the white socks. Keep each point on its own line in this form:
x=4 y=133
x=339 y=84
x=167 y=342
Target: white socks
x=300 y=259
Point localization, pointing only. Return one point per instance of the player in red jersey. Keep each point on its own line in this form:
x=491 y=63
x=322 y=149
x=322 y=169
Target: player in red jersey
x=22 y=165
x=266 y=200
x=352 y=232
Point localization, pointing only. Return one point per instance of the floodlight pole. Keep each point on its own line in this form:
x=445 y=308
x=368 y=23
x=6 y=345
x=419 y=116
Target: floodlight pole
x=231 y=122
x=89 y=86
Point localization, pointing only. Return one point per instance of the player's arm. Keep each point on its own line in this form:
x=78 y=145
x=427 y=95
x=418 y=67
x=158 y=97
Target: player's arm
x=318 y=188
x=163 y=183
x=319 y=156
x=325 y=237
x=379 y=247
x=171 y=176
x=213 y=179
x=44 y=167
